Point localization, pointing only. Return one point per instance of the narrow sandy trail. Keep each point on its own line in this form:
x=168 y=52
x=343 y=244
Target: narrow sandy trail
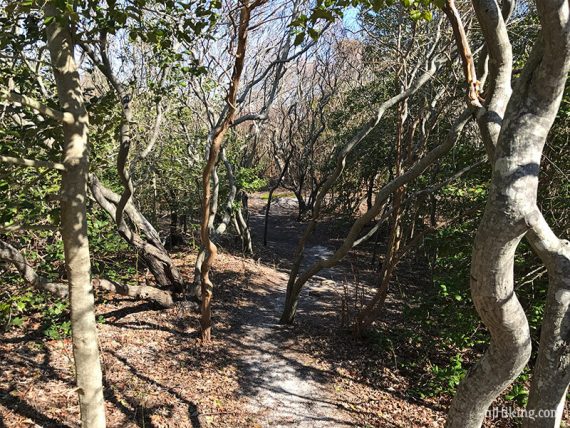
x=286 y=392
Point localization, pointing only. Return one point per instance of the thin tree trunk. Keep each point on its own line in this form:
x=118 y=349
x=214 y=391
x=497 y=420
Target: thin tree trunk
x=367 y=314
x=244 y=232
x=294 y=283
x=218 y=135
x=74 y=224
x=294 y=287
x=270 y=197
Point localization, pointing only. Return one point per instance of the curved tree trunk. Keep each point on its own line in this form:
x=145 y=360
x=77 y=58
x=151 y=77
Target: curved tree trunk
x=294 y=283
x=227 y=217
x=271 y=191
x=551 y=374
x=149 y=246
x=11 y=255
x=511 y=213
x=218 y=134
x=294 y=287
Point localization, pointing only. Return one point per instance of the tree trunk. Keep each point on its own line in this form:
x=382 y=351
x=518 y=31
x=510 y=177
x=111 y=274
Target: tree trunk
x=296 y=281
x=244 y=232
x=367 y=315
x=551 y=374
x=275 y=187
x=150 y=249
x=74 y=224
x=301 y=205
x=11 y=255
x=218 y=134
x=294 y=284
x=510 y=213
x=370 y=191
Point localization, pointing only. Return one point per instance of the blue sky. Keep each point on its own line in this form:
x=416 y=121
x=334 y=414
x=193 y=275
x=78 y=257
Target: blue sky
x=350 y=19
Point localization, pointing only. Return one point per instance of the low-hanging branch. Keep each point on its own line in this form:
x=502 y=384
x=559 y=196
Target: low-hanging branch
x=10 y=254
x=341 y=157
x=414 y=196
x=294 y=288
x=19 y=227
x=32 y=163
x=34 y=104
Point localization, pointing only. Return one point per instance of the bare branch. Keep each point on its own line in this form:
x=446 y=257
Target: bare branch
x=34 y=104
x=32 y=163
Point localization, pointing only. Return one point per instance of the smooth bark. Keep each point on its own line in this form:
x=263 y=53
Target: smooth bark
x=217 y=138
x=511 y=212
x=74 y=223
x=10 y=254
x=149 y=246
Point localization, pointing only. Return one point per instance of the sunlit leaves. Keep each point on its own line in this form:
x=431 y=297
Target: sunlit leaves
x=327 y=11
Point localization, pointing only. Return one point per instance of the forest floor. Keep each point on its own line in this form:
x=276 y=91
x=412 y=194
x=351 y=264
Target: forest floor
x=256 y=373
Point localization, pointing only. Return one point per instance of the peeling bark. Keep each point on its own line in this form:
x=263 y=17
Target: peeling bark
x=218 y=135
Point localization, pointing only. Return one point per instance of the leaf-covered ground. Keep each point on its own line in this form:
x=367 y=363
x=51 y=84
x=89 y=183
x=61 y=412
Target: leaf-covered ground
x=255 y=374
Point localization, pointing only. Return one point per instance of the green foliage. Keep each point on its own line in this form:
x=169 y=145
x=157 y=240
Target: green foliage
x=277 y=195
x=56 y=321
x=16 y=310
x=445 y=379
x=249 y=180
x=13 y=309
x=111 y=257
x=330 y=10
x=519 y=390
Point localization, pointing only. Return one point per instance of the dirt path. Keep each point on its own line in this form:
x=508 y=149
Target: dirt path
x=286 y=392
x=256 y=373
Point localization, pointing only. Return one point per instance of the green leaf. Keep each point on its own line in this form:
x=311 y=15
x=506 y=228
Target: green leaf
x=18 y=321
x=415 y=14
x=322 y=13
x=314 y=34
x=377 y=5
